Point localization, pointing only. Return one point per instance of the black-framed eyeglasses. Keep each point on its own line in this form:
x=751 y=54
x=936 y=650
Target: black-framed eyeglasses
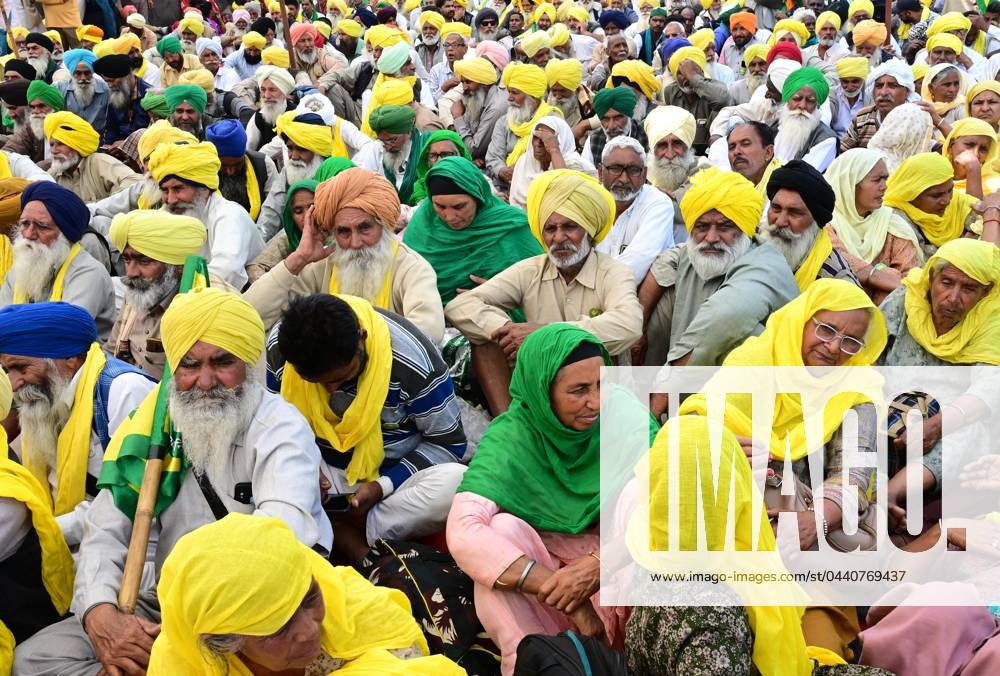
x=618 y=169
x=826 y=333
x=434 y=157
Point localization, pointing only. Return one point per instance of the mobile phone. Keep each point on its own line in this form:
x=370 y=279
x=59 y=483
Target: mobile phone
x=337 y=502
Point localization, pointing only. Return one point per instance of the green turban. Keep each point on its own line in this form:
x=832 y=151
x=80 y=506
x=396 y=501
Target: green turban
x=392 y=119
x=332 y=166
x=803 y=77
x=621 y=99
x=155 y=103
x=191 y=94
x=50 y=96
x=169 y=45
x=659 y=11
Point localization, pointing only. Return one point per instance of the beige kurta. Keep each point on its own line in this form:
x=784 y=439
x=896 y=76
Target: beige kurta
x=97 y=176
x=414 y=290
x=600 y=299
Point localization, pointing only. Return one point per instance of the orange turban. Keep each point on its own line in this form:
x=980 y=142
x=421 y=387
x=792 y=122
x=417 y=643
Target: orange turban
x=745 y=19
x=360 y=189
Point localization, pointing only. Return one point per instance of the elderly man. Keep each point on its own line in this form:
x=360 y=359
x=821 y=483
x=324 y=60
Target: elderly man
x=848 y=99
x=396 y=63
x=567 y=91
x=742 y=32
x=312 y=62
x=63 y=384
x=614 y=108
x=77 y=165
x=29 y=140
x=85 y=95
x=125 y=114
x=670 y=131
x=693 y=92
x=703 y=299
x=868 y=37
x=50 y=264
x=536 y=47
x=136 y=25
x=39 y=48
x=398 y=148
x=828 y=48
x=188 y=178
x=322 y=355
x=249 y=449
x=429 y=48
x=755 y=60
x=246 y=177
x=570 y=213
x=275 y=85
x=526 y=85
x=247 y=58
x=946 y=48
x=175 y=61
x=482 y=107
x=800 y=134
x=441 y=77
x=891 y=85
x=186 y=103
x=210 y=56
x=644 y=216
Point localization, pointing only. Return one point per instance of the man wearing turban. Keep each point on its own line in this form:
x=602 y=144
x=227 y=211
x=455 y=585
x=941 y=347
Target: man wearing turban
x=742 y=34
x=310 y=59
x=397 y=149
x=186 y=103
x=84 y=94
x=125 y=112
x=707 y=297
x=567 y=91
x=755 y=65
x=614 y=109
x=482 y=106
x=39 y=48
x=188 y=177
x=236 y=30
x=671 y=161
x=569 y=213
x=49 y=262
x=890 y=85
x=800 y=133
x=210 y=55
x=429 y=47
x=247 y=58
x=868 y=37
x=77 y=165
x=175 y=61
x=245 y=176
x=441 y=75
x=365 y=259
x=275 y=85
x=828 y=48
x=237 y=437
x=694 y=92
x=848 y=99
x=29 y=139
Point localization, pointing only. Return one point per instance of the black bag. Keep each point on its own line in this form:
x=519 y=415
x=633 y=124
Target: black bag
x=567 y=655
x=441 y=597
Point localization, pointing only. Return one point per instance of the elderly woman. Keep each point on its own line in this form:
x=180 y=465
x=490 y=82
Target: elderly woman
x=944 y=87
x=439 y=145
x=244 y=596
x=983 y=102
x=552 y=147
x=878 y=250
x=297 y=202
x=905 y=131
x=524 y=520
x=972 y=147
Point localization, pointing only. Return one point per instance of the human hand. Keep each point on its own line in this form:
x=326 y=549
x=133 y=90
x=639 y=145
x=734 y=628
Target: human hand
x=475 y=280
x=458 y=109
x=506 y=174
x=930 y=110
x=691 y=72
x=896 y=514
x=366 y=497
x=121 y=642
x=638 y=351
x=982 y=474
x=510 y=336
x=931 y=435
x=311 y=246
x=548 y=138
x=586 y=621
x=571 y=585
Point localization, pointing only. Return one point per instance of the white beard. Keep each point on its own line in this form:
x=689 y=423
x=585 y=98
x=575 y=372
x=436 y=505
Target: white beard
x=39 y=63
x=570 y=108
x=827 y=42
x=361 y=272
x=297 y=170
x=521 y=115
x=755 y=81
x=210 y=422
x=794 y=129
x=63 y=163
x=580 y=254
x=641 y=106
x=194 y=209
x=36 y=265
x=121 y=97
x=487 y=35
x=671 y=174
x=37 y=123
x=84 y=92
x=43 y=412
x=151 y=191
x=794 y=247
x=308 y=57
x=188 y=46
x=430 y=42
x=142 y=294
x=474 y=103
x=270 y=111
x=710 y=266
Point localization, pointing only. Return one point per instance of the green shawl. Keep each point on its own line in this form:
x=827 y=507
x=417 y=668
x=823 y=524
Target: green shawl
x=332 y=166
x=292 y=230
x=528 y=462
x=497 y=238
x=423 y=164
x=405 y=189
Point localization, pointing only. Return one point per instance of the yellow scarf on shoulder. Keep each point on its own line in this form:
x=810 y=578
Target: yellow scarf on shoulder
x=339 y=147
x=4 y=166
x=6 y=256
x=384 y=297
x=523 y=131
x=20 y=297
x=74 y=441
x=810 y=267
x=768 y=170
x=253 y=190
x=360 y=429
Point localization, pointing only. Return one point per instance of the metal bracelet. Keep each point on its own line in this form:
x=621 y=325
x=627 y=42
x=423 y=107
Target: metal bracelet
x=524 y=574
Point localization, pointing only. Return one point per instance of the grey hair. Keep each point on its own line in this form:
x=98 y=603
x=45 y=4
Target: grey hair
x=675 y=23
x=943 y=72
x=938 y=266
x=220 y=646
x=623 y=141
x=803 y=12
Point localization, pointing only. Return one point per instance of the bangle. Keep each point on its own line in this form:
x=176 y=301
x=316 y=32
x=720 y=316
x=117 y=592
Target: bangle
x=524 y=574
x=594 y=554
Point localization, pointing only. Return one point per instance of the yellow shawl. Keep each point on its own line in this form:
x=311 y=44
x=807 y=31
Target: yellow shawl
x=809 y=268
x=57 y=285
x=943 y=107
x=523 y=131
x=917 y=174
x=768 y=170
x=6 y=256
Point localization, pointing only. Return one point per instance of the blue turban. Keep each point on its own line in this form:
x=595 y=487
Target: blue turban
x=229 y=138
x=73 y=57
x=66 y=209
x=613 y=16
x=46 y=330
x=365 y=16
x=670 y=46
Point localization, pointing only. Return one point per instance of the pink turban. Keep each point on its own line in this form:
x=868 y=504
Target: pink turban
x=495 y=52
x=300 y=29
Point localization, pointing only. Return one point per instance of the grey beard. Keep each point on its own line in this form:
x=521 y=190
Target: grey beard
x=297 y=170
x=521 y=115
x=641 y=106
x=270 y=111
x=193 y=128
x=710 y=266
x=615 y=133
x=151 y=191
x=84 y=92
x=487 y=35
x=755 y=81
x=195 y=209
x=142 y=294
x=308 y=57
x=122 y=96
x=671 y=174
x=36 y=265
x=578 y=254
x=474 y=104
x=794 y=130
x=569 y=107
x=827 y=42
x=794 y=247
x=188 y=46
x=39 y=63
x=361 y=272
x=37 y=124
x=430 y=42
x=43 y=412
x=61 y=165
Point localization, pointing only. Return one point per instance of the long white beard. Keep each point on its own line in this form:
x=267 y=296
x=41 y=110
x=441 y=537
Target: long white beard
x=84 y=92
x=710 y=266
x=827 y=42
x=521 y=115
x=430 y=42
x=270 y=110
x=209 y=422
x=37 y=123
x=307 y=57
x=121 y=97
x=63 y=163
x=196 y=209
x=570 y=108
x=361 y=272
x=641 y=106
x=394 y=161
x=670 y=174
x=36 y=265
x=793 y=246
x=755 y=81
x=43 y=412
x=579 y=254
x=297 y=170
x=39 y=63
x=142 y=294
x=150 y=191
x=188 y=46
x=794 y=129
x=485 y=35
x=474 y=104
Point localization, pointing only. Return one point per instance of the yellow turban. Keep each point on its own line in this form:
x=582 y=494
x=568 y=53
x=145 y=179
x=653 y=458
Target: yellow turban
x=702 y=38
x=796 y=28
x=949 y=23
x=105 y=47
x=566 y=73
x=10 y=211
x=6 y=399
x=390 y=91
x=573 y=195
x=275 y=56
x=476 y=69
x=409 y=6
x=193 y=24
x=457 y=27
x=919 y=70
x=89 y=33
x=376 y=34
x=526 y=78
x=828 y=18
x=274 y=6
x=16 y=33
x=545 y=8
x=73 y=130
x=340 y=6
x=687 y=54
x=160 y=133
x=758 y=51
x=431 y=17
x=463 y=3
x=196 y=163
x=213 y=316
x=253 y=40
x=162 y=236
x=985 y=86
x=947 y=40
x=125 y=44
x=670 y=120
x=641 y=74
x=852 y=66
x=317 y=138
x=323 y=28
x=532 y=43
x=861 y=5
x=349 y=27
x=575 y=12
x=55 y=36
x=200 y=77
x=869 y=32
x=558 y=35
x=727 y=192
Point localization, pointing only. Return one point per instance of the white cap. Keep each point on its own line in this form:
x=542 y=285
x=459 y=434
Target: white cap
x=136 y=20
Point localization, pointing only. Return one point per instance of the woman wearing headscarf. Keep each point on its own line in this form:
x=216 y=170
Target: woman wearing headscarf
x=983 y=102
x=971 y=146
x=524 y=520
x=944 y=87
x=437 y=146
x=904 y=132
x=552 y=147
x=297 y=202
x=878 y=250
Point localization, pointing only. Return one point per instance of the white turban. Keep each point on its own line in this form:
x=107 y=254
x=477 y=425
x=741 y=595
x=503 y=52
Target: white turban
x=318 y=104
x=136 y=20
x=896 y=69
x=779 y=70
x=666 y=120
x=281 y=78
x=201 y=44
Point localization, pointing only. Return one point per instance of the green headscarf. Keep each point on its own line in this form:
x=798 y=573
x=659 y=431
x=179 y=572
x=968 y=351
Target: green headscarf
x=528 y=462
x=419 y=188
x=405 y=190
x=292 y=230
x=332 y=166
x=497 y=238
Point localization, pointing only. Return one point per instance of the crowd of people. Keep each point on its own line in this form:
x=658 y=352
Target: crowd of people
x=348 y=272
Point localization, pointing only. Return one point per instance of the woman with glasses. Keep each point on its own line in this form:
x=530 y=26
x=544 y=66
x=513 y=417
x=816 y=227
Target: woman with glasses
x=552 y=147
x=439 y=145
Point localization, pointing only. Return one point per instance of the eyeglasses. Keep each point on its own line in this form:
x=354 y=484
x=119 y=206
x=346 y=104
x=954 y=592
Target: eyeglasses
x=828 y=334
x=617 y=170
x=453 y=45
x=434 y=157
x=487 y=22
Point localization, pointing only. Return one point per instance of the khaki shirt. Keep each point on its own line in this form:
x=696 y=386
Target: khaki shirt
x=600 y=299
x=414 y=290
x=169 y=76
x=97 y=176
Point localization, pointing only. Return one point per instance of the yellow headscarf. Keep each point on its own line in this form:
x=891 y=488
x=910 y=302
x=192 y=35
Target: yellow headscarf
x=360 y=429
x=457 y=27
x=546 y=8
x=477 y=69
x=253 y=40
x=915 y=175
x=526 y=78
x=852 y=66
x=566 y=73
x=973 y=126
x=431 y=17
x=976 y=90
x=316 y=138
x=162 y=236
x=977 y=337
x=533 y=42
x=198 y=163
x=559 y=35
x=757 y=51
x=792 y=27
x=727 y=192
x=859 y=5
x=388 y=91
x=642 y=74
x=352 y=28
x=275 y=56
x=248 y=575
x=73 y=130
x=944 y=107
x=160 y=133
x=702 y=38
x=573 y=195
x=216 y=317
